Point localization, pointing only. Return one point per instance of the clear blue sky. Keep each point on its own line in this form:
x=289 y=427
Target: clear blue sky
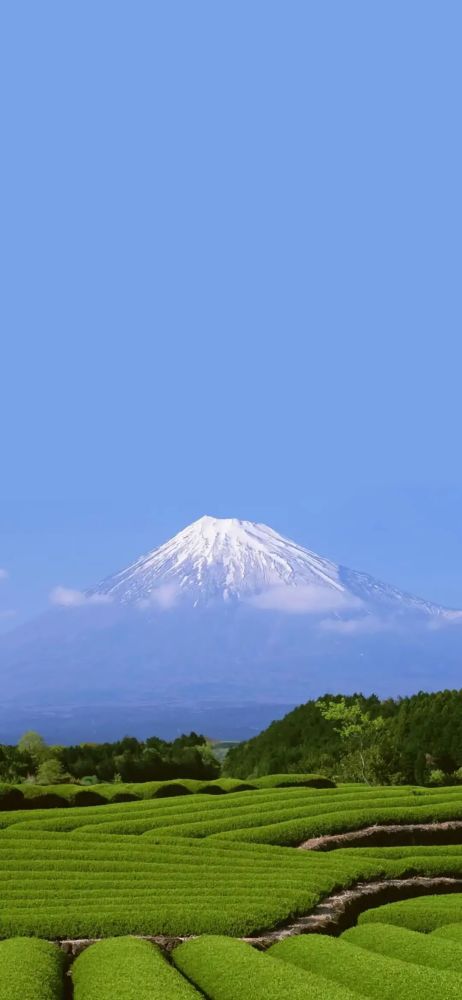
x=231 y=283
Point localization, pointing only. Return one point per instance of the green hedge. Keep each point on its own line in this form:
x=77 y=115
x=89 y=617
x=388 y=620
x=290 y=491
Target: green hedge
x=370 y=974
x=450 y=932
x=232 y=970
x=407 y=945
x=127 y=969
x=28 y=795
x=30 y=970
x=425 y=913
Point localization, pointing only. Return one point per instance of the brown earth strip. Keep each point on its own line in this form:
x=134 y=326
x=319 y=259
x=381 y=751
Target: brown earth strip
x=392 y=835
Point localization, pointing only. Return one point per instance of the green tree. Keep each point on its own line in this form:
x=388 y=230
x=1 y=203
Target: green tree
x=32 y=744
x=360 y=736
x=51 y=772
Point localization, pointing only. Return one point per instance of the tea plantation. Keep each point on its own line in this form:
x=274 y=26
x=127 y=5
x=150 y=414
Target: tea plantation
x=199 y=871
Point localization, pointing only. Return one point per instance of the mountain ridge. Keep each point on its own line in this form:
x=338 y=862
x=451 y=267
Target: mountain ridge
x=225 y=614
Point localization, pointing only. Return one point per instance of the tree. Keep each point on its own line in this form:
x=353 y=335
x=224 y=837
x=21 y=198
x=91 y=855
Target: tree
x=51 y=772
x=34 y=745
x=360 y=735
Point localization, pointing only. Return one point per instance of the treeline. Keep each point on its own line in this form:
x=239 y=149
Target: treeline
x=415 y=740
x=126 y=760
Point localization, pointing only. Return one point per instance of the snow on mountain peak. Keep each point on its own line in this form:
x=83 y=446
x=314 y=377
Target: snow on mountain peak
x=228 y=559
x=222 y=557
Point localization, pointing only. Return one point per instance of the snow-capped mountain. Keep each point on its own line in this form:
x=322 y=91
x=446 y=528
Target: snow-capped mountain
x=227 y=620
x=225 y=559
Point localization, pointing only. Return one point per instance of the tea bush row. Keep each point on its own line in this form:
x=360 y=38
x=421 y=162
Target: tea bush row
x=28 y=795
x=423 y=914
x=54 y=885
x=409 y=946
x=277 y=816
x=30 y=970
x=369 y=973
x=126 y=968
x=232 y=970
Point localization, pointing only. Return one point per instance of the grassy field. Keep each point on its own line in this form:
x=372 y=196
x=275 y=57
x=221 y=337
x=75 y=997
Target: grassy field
x=222 y=867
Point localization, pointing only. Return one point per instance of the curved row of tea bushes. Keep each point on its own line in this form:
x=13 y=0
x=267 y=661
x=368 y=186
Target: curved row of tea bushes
x=371 y=974
x=409 y=946
x=285 y=816
x=293 y=831
x=232 y=970
x=127 y=969
x=264 y=806
x=30 y=796
x=450 y=932
x=424 y=914
x=30 y=970
x=60 y=885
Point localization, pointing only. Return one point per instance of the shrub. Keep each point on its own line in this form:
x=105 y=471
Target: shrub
x=422 y=914
x=371 y=974
x=232 y=970
x=408 y=946
x=126 y=968
x=30 y=970
x=171 y=789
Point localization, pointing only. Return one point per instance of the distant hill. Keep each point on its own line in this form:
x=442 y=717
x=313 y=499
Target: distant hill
x=422 y=732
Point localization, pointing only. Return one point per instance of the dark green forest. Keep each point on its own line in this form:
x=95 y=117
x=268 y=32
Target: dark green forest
x=415 y=740
x=126 y=760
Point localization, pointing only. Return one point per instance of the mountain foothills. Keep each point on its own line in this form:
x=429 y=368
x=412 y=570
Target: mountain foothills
x=223 y=627
x=416 y=740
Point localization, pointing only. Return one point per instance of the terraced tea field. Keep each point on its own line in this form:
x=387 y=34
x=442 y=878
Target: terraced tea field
x=216 y=868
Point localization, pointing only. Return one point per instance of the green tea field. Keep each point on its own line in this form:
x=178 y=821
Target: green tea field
x=216 y=895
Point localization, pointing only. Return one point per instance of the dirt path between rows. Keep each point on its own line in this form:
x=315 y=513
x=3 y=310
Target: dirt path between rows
x=392 y=835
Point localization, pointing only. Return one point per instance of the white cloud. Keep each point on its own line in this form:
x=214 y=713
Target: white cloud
x=65 y=597
x=163 y=597
x=3 y=574
x=445 y=620
x=309 y=600
x=355 y=626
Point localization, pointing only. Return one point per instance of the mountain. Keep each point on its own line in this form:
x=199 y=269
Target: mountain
x=223 y=559
x=229 y=623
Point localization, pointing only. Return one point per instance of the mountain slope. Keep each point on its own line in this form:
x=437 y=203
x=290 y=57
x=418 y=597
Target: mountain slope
x=226 y=559
x=226 y=613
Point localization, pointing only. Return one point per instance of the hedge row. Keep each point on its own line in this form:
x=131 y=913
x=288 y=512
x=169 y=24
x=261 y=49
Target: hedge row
x=232 y=970
x=421 y=914
x=57 y=885
x=30 y=970
x=369 y=973
x=127 y=969
x=30 y=796
x=274 y=816
x=408 y=946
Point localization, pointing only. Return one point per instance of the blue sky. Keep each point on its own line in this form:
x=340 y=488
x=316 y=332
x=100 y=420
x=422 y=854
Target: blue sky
x=231 y=258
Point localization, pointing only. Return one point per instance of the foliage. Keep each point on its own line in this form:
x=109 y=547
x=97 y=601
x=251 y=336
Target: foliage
x=418 y=734
x=232 y=970
x=127 y=760
x=360 y=736
x=407 y=945
x=202 y=863
x=423 y=914
x=370 y=973
x=127 y=968
x=30 y=970
x=51 y=772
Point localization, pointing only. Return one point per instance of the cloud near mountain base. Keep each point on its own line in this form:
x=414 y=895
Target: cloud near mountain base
x=305 y=600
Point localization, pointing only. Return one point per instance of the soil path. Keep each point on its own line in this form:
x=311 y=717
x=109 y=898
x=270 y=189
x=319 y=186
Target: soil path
x=393 y=835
